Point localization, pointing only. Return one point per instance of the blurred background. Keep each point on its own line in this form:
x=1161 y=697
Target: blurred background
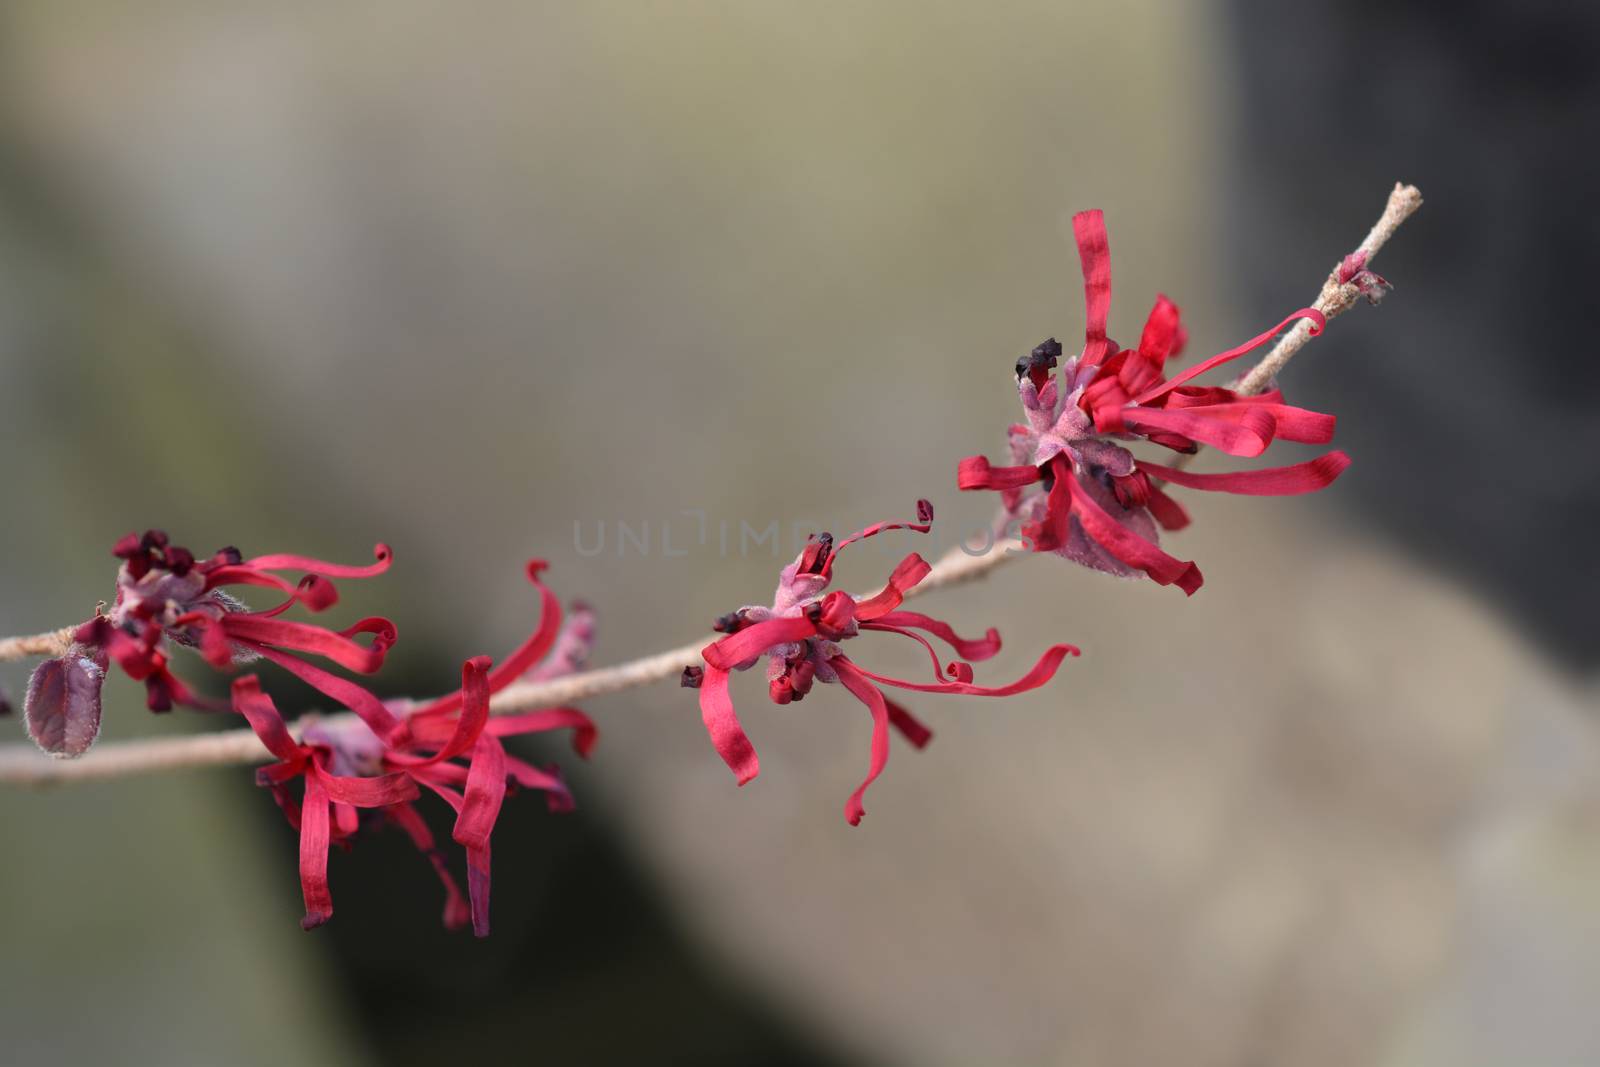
x=475 y=279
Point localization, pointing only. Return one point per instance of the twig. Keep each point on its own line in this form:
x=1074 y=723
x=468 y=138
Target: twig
x=1336 y=298
x=23 y=765
x=54 y=643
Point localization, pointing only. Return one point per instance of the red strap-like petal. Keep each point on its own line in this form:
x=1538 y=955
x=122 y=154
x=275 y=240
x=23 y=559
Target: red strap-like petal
x=979 y=648
x=855 y=681
x=722 y=723
x=313 y=591
x=317 y=640
x=1094 y=253
x=907 y=573
x=1052 y=532
x=1317 y=323
x=584 y=732
x=546 y=781
x=262 y=715
x=1273 y=481
x=923 y=524
x=286 y=562
x=1161 y=330
x=1248 y=435
x=478 y=888
x=938 y=668
x=484 y=794
x=1292 y=423
x=526 y=655
x=456 y=912
x=1165 y=510
x=1038 y=675
x=1129 y=547
x=750 y=642
x=315 y=834
x=391 y=730
x=974 y=472
x=378 y=791
x=910 y=727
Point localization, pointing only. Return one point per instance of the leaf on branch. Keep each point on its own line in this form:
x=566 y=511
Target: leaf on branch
x=62 y=706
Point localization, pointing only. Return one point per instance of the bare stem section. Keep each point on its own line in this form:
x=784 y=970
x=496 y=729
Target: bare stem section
x=23 y=765
x=54 y=643
x=1336 y=298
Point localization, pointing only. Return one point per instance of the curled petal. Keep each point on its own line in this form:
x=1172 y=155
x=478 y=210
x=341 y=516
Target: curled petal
x=974 y=472
x=526 y=656
x=979 y=648
x=381 y=553
x=1272 y=481
x=907 y=573
x=315 y=593
x=466 y=728
x=922 y=525
x=1038 y=675
x=855 y=680
x=722 y=724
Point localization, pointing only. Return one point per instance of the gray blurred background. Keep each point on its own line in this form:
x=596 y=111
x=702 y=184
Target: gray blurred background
x=467 y=277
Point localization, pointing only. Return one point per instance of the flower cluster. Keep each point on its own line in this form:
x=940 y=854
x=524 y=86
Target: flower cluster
x=1073 y=488
x=801 y=636
x=164 y=594
x=450 y=747
x=1075 y=491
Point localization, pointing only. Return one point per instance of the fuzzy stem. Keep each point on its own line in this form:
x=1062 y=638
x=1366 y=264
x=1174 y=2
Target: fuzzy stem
x=23 y=765
x=1335 y=298
x=54 y=643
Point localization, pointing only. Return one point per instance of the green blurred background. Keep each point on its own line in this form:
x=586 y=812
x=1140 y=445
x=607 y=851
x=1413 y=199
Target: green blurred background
x=462 y=277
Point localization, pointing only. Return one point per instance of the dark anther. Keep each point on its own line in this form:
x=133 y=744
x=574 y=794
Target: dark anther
x=692 y=677
x=1038 y=364
x=817 y=551
x=179 y=560
x=731 y=623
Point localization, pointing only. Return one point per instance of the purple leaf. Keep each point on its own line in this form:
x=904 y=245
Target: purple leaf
x=62 y=706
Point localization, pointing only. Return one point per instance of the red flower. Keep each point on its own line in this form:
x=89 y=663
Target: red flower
x=164 y=592
x=452 y=748
x=801 y=635
x=1097 y=504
